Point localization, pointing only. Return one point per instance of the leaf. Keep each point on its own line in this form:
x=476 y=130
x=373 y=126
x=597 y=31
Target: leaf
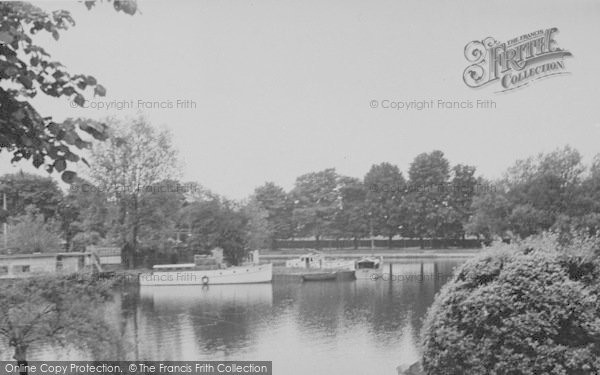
x=26 y=81
x=91 y=80
x=55 y=34
x=38 y=159
x=99 y=90
x=68 y=91
x=68 y=176
x=79 y=100
x=6 y=37
x=60 y=165
x=72 y=157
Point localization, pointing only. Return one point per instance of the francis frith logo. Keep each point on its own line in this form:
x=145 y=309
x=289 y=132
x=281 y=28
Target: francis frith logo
x=515 y=63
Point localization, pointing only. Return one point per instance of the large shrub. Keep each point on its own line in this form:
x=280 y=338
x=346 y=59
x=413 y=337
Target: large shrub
x=527 y=308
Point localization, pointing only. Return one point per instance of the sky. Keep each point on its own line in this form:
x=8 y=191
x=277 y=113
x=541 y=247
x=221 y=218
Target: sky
x=282 y=88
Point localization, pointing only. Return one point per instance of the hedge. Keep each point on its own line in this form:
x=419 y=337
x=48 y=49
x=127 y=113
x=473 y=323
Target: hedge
x=527 y=308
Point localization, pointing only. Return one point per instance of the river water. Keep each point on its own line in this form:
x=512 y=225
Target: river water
x=361 y=327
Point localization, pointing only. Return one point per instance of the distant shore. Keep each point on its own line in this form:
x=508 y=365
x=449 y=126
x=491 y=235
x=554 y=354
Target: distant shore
x=403 y=253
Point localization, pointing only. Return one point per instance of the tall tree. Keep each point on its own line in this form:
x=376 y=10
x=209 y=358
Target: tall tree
x=135 y=157
x=428 y=195
x=462 y=189
x=541 y=189
x=386 y=189
x=218 y=223
x=351 y=218
x=85 y=215
x=491 y=209
x=315 y=201
x=278 y=208
x=159 y=207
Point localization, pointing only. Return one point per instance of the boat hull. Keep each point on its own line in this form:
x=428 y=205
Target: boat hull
x=232 y=275
x=321 y=276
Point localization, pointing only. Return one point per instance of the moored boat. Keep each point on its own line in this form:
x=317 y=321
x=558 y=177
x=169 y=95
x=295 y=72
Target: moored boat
x=188 y=274
x=369 y=268
x=320 y=276
x=208 y=270
x=319 y=261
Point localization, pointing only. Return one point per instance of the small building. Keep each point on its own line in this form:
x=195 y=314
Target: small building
x=23 y=265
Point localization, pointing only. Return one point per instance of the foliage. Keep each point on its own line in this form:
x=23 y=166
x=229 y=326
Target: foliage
x=385 y=205
x=25 y=189
x=549 y=191
x=27 y=69
x=135 y=158
x=52 y=310
x=30 y=233
x=527 y=308
x=278 y=208
x=85 y=215
x=351 y=218
x=462 y=189
x=427 y=206
x=218 y=223
x=159 y=208
x=260 y=232
x=315 y=201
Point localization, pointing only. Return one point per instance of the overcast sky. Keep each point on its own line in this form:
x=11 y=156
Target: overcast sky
x=284 y=87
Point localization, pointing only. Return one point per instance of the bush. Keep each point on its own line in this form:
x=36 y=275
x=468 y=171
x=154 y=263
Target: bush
x=527 y=308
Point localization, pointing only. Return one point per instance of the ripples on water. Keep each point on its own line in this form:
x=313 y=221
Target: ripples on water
x=360 y=327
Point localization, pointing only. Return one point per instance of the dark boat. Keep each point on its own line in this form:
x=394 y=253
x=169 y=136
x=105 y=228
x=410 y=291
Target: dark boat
x=319 y=276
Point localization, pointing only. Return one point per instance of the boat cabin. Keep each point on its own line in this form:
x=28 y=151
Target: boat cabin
x=368 y=263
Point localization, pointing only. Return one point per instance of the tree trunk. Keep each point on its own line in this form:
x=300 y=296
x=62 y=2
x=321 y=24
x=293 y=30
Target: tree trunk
x=355 y=243
x=134 y=231
x=421 y=243
x=21 y=357
x=390 y=241
x=317 y=243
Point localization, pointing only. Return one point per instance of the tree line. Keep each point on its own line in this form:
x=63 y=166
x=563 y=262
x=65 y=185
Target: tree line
x=131 y=197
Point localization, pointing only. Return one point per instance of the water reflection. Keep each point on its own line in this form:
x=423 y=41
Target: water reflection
x=357 y=327
x=354 y=327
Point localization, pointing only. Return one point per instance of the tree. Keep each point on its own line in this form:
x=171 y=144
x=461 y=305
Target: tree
x=351 y=217
x=260 y=231
x=386 y=189
x=278 y=207
x=315 y=201
x=428 y=195
x=136 y=156
x=30 y=233
x=218 y=223
x=53 y=310
x=541 y=189
x=26 y=69
x=25 y=189
x=490 y=210
x=462 y=190
x=159 y=210
x=85 y=215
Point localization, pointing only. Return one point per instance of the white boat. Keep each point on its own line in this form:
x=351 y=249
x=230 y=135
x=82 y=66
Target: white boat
x=369 y=268
x=318 y=261
x=189 y=274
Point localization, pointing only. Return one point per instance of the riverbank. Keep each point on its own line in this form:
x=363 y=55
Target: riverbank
x=403 y=253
